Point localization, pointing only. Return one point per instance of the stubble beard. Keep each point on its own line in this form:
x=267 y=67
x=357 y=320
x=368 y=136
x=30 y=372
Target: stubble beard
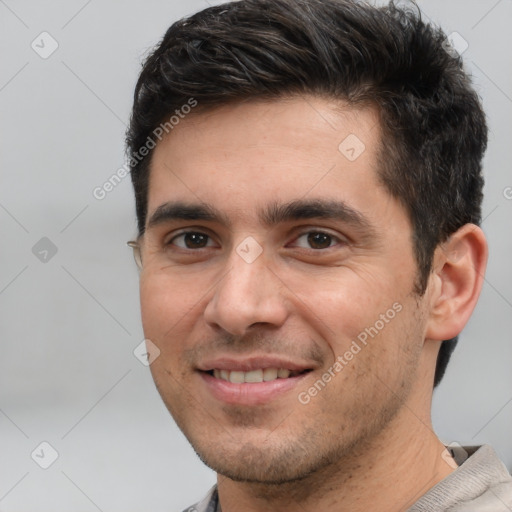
x=305 y=459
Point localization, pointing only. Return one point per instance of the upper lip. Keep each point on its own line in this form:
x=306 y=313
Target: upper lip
x=247 y=364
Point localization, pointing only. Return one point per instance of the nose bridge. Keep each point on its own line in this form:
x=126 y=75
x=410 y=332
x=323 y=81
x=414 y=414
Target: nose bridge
x=247 y=294
x=248 y=265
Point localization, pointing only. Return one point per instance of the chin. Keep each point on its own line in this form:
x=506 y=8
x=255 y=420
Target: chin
x=254 y=463
x=276 y=473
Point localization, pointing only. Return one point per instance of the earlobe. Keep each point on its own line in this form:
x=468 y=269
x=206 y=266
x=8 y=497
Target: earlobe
x=456 y=281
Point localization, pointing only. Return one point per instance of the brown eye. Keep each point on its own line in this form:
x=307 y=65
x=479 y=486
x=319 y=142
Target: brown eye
x=319 y=240
x=316 y=240
x=191 y=240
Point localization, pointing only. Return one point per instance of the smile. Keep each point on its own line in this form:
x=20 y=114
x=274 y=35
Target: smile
x=253 y=387
x=254 y=376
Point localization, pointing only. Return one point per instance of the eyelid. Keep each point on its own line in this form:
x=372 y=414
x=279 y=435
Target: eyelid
x=336 y=237
x=300 y=231
x=189 y=229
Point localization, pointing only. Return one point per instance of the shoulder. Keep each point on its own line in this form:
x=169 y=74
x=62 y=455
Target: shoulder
x=480 y=484
x=209 y=503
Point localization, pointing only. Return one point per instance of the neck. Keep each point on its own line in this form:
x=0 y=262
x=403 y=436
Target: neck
x=392 y=470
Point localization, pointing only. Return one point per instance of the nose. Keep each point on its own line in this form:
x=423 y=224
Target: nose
x=249 y=294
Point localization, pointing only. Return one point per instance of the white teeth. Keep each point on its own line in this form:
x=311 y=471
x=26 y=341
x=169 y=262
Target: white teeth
x=254 y=376
x=282 y=373
x=237 y=377
x=270 y=374
x=261 y=375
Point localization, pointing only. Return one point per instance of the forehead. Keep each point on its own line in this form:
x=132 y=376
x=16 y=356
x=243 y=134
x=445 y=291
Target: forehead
x=268 y=151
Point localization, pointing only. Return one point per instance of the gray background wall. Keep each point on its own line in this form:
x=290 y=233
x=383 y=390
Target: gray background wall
x=70 y=321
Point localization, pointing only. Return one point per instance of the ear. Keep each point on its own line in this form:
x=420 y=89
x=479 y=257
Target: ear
x=456 y=281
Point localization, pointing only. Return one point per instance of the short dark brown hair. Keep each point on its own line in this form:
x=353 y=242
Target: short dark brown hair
x=434 y=129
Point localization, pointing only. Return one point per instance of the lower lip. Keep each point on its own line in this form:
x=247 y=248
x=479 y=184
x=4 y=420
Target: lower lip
x=256 y=393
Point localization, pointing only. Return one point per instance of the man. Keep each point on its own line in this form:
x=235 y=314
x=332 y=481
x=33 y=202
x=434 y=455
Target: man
x=308 y=185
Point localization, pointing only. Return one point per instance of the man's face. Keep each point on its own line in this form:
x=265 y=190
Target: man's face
x=277 y=283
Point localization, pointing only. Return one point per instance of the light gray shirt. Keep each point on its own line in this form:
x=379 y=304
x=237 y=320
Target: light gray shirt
x=480 y=484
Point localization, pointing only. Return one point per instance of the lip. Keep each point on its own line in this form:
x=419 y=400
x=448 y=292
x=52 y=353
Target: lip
x=248 y=364
x=249 y=394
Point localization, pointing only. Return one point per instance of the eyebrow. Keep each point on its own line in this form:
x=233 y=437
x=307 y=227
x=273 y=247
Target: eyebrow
x=178 y=210
x=272 y=215
x=315 y=209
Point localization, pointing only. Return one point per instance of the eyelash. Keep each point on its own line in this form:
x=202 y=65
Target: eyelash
x=333 y=238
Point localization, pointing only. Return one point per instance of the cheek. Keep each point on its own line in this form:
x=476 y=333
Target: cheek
x=171 y=310
x=349 y=305
x=377 y=358
x=164 y=309
x=164 y=316
x=153 y=304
